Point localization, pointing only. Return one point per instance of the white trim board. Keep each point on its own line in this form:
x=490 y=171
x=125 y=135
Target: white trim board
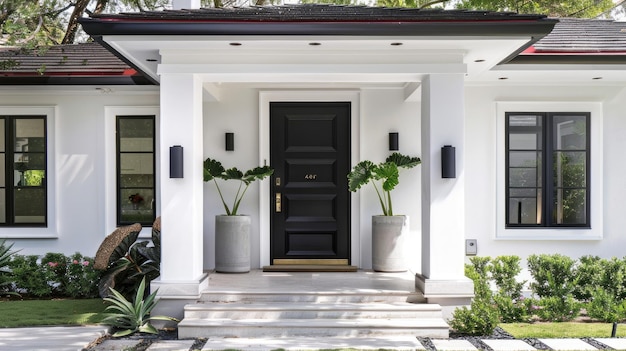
x=110 y=209
x=596 y=167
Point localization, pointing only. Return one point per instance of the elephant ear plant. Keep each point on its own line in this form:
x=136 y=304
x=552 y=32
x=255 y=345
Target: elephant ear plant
x=214 y=170
x=386 y=174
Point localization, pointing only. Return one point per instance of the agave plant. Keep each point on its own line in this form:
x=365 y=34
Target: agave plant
x=131 y=317
x=214 y=170
x=386 y=173
x=5 y=257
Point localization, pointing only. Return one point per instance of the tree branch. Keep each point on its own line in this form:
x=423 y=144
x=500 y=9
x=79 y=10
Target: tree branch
x=434 y=2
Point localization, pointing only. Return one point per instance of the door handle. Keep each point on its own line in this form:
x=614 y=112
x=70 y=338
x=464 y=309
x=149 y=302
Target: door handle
x=278 y=202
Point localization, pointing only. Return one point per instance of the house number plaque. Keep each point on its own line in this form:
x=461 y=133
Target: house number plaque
x=310 y=176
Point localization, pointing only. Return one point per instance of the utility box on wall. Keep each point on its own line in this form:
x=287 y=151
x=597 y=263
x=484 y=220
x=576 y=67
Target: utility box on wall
x=471 y=247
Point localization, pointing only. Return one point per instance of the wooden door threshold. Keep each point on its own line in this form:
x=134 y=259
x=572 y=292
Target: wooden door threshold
x=309 y=268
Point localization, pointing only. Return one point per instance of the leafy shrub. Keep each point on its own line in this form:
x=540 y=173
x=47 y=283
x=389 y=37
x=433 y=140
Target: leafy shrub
x=588 y=276
x=134 y=316
x=613 y=277
x=29 y=277
x=558 y=309
x=605 y=307
x=555 y=280
x=553 y=275
x=512 y=306
x=54 y=275
x=482 y=317
x=55 y=265
x=82 y=277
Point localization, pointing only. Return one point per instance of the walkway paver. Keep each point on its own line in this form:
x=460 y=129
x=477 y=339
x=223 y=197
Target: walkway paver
x=453 y=345
x=117 y=345
x=567 y=344
x=171 y=345
x=508 y=345
x=361 y=343
x=616 y=343
x=49 y=338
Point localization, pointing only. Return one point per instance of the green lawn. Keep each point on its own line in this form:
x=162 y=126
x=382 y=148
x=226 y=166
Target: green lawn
x=25 y=313
x=562 y=330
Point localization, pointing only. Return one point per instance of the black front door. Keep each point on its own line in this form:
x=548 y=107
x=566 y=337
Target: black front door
x=310 y=202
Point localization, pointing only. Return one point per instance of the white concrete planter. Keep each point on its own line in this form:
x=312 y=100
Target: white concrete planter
x=389 y=235
x=232 y=244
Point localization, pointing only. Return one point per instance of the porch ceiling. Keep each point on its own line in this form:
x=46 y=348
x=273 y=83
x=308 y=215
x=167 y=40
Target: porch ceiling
x=352 y=61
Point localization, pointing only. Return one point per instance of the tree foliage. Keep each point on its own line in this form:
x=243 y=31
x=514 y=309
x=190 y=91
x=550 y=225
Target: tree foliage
x=40 y=23
x=552 y=8
x=36 y=23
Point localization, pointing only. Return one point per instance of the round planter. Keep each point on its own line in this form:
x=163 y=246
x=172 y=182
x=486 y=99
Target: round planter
x=389 y=235
x=232 y=244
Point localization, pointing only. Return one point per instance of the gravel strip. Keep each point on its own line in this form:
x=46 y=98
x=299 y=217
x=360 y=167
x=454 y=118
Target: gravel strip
x=598 y=345
x=537 y=344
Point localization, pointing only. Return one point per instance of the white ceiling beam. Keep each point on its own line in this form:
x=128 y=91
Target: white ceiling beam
x=241 y=73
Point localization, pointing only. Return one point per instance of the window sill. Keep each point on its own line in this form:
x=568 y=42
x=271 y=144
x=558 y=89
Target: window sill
x=543 y=234
x=28 y=236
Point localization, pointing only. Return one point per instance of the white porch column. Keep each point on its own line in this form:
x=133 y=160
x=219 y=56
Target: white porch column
x=443 y=205
x=182 y=276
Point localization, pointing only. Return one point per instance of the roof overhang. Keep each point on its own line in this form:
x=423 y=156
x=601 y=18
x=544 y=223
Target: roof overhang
x=339 y=51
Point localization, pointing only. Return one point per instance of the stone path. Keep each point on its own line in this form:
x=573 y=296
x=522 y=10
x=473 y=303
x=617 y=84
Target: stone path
x=81 y=338
x=388 y=343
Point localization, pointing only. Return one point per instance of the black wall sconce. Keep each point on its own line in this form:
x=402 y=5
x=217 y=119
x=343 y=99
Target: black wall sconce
x=176 y=161
x=394 y=144
x=230 y=141
x=448 y=162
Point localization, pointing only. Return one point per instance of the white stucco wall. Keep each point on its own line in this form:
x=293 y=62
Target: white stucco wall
x=79 y=153
x=481 y=167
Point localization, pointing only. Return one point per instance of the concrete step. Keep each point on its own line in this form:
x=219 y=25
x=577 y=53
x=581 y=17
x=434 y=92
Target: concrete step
x=396 y=343
x=250 y=328
x=360 y=296
x=303 y=310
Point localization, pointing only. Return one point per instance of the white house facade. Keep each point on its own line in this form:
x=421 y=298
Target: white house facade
x=438 y=78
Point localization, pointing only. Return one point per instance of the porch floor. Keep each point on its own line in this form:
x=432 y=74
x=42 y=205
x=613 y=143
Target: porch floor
x=362 y=281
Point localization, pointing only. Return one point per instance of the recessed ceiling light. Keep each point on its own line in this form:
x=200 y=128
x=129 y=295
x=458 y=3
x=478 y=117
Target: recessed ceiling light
x=315 y=43
x=503 y=78
x=151 y=60
x=234 y=44
x=479 y=60
x=397 y=44
x=596 y=78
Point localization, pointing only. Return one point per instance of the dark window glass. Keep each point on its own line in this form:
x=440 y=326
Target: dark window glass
x=135 y=170
x=547 y=187
x=23 y=155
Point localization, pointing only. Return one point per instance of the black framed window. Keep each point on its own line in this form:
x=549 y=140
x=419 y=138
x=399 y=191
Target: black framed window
x=547 y=169
x=135 y=170
x=23 y=155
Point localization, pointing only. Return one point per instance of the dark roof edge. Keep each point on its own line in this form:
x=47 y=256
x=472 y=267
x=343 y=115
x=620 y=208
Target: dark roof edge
x=144 y=74
x=516 y=53
x=568 y=59
x=47 y=80
x=535 y=28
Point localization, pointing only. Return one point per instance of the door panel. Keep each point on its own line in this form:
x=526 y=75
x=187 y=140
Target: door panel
x=309 y=151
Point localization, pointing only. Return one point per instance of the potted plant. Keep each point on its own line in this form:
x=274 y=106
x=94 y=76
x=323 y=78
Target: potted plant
x=388 y=231
x=232 y=231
